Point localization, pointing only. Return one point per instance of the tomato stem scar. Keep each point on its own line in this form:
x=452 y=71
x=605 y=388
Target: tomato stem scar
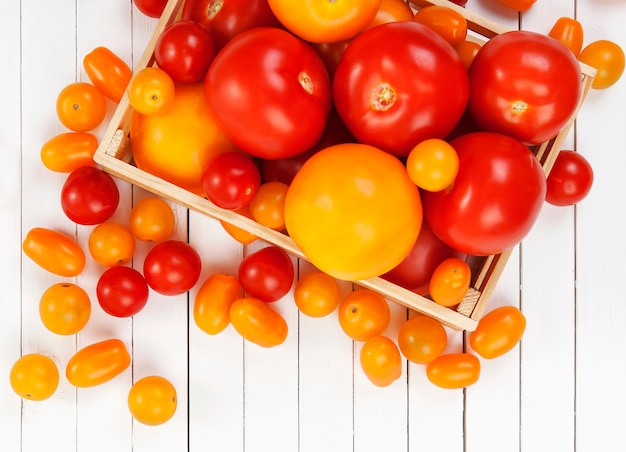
x=383 y=97
x=305 y=82
x=519 y=106
x=214 y=7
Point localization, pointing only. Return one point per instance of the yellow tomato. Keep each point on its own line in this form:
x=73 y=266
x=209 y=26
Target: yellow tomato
x=363 y=314
x=152 y=220
x=34 y=377
x=211 y=307
x=381 y=361
x=81 y=107
x=111 y=243
x=152 y=400
x=433 y=164
x=608 y=58
x=151 y=91
x=317 y=294
x=454 y=370
x=65 y=308
x=268 y=205
x=241 y=235
x=422 y=339
x=450 y=281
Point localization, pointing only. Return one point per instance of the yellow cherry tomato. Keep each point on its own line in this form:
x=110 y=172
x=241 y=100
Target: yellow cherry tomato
x=34 y=377
x=81 y=107
x=152 y=400
x=433 y=164
x=65 y=308
x=111 y=243
x=268 y=205
x=97 y=363
x=317 y=294
x=381 y=361
x=54 y=251
x=69 y=151
x=422 y=339
x=258 y=322
x=363 y=314
x=241 y=235
x=608 y=58
x=211 y=307
x=450 y=281
x=152 y=220
x=151 y=91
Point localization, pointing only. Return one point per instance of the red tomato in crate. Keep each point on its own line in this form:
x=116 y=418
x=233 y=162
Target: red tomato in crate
x=230 y=180
x=122 y=291
x=524 y=84
x=261 y=86
x=496 y=197
x=172 y=267
x=389 y=98
x=184 y=50
x=570 y=179
x=267 y=274
x=89 y=196
x=151 y=8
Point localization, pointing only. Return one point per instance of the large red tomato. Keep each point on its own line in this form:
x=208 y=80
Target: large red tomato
x=524 y=84
x=398 y=84
x=495 y=199
x=270 y=93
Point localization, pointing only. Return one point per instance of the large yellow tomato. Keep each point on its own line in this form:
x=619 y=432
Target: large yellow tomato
x=353 y=211
x=176 y=144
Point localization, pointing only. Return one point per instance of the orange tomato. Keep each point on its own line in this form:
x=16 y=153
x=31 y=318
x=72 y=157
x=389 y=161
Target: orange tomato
x=54 y=251
x=152 y=400
x=353 y=210
x=363 y=314
x=608 y=58
x=422 y=339
x=450 y=281
x=268 y=205
x=391 y=11
x=317 y=294
x=518 y=5
x=432 y=164
x=498 y=332
x=111 y=243
x=81 y=107
x=152 y=220
x=257 y=322
x=570 y=32
x=151 y=91
x=446 y=22
x=454 y=370
x=34 y=377
x=97 y=363
x=381 y=361
x=108 y=72
x=211 y=306
x=69 y=151
x=241 y=235
x=324 y=21
x=176 y=144
x=65 y=308
x=467 y=50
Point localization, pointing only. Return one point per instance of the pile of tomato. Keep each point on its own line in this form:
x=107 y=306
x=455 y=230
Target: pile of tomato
x=383 y=141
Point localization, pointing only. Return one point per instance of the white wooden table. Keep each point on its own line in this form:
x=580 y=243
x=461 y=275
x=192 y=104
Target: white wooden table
x=560 y=390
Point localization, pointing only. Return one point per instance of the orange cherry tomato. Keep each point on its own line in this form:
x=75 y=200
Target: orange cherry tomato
x=211 y=307
x=81 y=107
x=422 y=339
x=152 y=220
x=241 y=235
x=54 y=251
x=391 y=11
x=317 y=294
x=454 y=370
x=268 y=205
x=608 y=58
x=258 y=322
x=151 y=91
x=570 y=32
x=34 y=377
x=65 y=308
x=432 y=164
x=111 y=243
x=97 y=363
x=69 y=151
x=152 y=400
x=363 y=314
x=324 y=21
x=381 y=361
x=518 y=5
x=467 y=50
x=498 y=332
x=108 y=72
x=446 y=22
x=450 y=281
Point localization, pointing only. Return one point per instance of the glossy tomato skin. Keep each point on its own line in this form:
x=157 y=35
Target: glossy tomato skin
x=34 y=377
x=108 y=72
x=570 y=32
x=498 y=332
x=454 y=370
x=97 y=363
x=496 y=197
x=69 y=151
x=54 y=251
x=151 y=8
x=122 y=291
x=211 y=306
x=258 y=322
x=64 y=308
x=267 y=274
x=570 y=179
x=524 y=84
x=389 y=98
x=259 y=85
x=89 y=196
x=381 y=361
x=172 y=267
x=230 y=180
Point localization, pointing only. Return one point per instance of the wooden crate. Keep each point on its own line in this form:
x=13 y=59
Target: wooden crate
x=115 y=156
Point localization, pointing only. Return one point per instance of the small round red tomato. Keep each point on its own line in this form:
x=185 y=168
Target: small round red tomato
x=89 y=196
x=570 y=179
x=184 y=50
x=381 y=361
x=570 y=32
x=262 y=114
x=257 y=322
x=108 y=72
x=97 y=363
x=267 y=274
x=422 y=339
x=608 y=58
x=122 y=291
x=151 y=8
x=363 y=314
x=230 y=180
x=81 y=107
x=152 y=220
x=498 y=332
x=268 y=205
x=454 y=370
x=151 y=91
x=69 y=151
x=64 y=308
x=152 y=400
x=450 y=282
x=448 y=23
x=172 y=267
x=34 y=377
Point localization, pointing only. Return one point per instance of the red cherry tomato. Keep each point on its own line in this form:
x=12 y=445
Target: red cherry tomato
x=122 y=291
x=570 y=179
x=151 y=8
x=267 y=274
x=89 y=196
x=230 y=180
x=172 y=267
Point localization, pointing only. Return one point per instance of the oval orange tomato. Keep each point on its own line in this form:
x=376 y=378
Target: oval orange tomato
x=258 y=322
x=381 y=361
x=450 y=281
x=97 y=363
x=570 y=32
x=446 y=22
x=498 y=332
x=108 y=72
x=69 y=151
x=54 y=251
x=391 y=11
x=212 y=303
x=363 y=314
x=422 y=339
x=454 y=370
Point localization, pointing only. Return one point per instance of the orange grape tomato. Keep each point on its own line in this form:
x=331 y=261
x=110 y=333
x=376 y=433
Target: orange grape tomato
x=54 y=251
x=498 y=332
x=241 y=235
x=152 y=400
x=391 y=11
x=111 y=243
x=450 y=281
x=152 y=220
x=268 y=205
x=317 y=294
x=68 y=151
x=433 y=164
x=211 y=307
x=64 y=308
x=608 y=58
x=34 y=377
x=467 y=50
x=108 y=72
x=446 y=22
x=570 y=32
x=363 y=314
x=381 y=361
x=151 y=91
x=422 y=339
x=97 y=363
x=518 y=5
x=454 y=370
x=258 y=322
x=81 y=107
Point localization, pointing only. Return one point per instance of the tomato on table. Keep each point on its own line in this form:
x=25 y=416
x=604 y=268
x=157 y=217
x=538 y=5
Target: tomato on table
x=317 y=294
x=89 y=196
x=454 y=370
x=65 y=308
x=381 y=361
x=498 y=332
x=97 y=363
x=111 y=243
x=108 y=72
x=267 y=274
x=54 y=251
x=151 y=8
x=152 y=220
x=363 y=314
x=172 y=267
x=257 y=322
x=211 y=305
x=422 y=339
x=152 y=400
x=34 y=376
x=122 y=291
x=517 y=5
x=570 y=179
x=69 y=151
x=81 y=107
x=608 y=58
